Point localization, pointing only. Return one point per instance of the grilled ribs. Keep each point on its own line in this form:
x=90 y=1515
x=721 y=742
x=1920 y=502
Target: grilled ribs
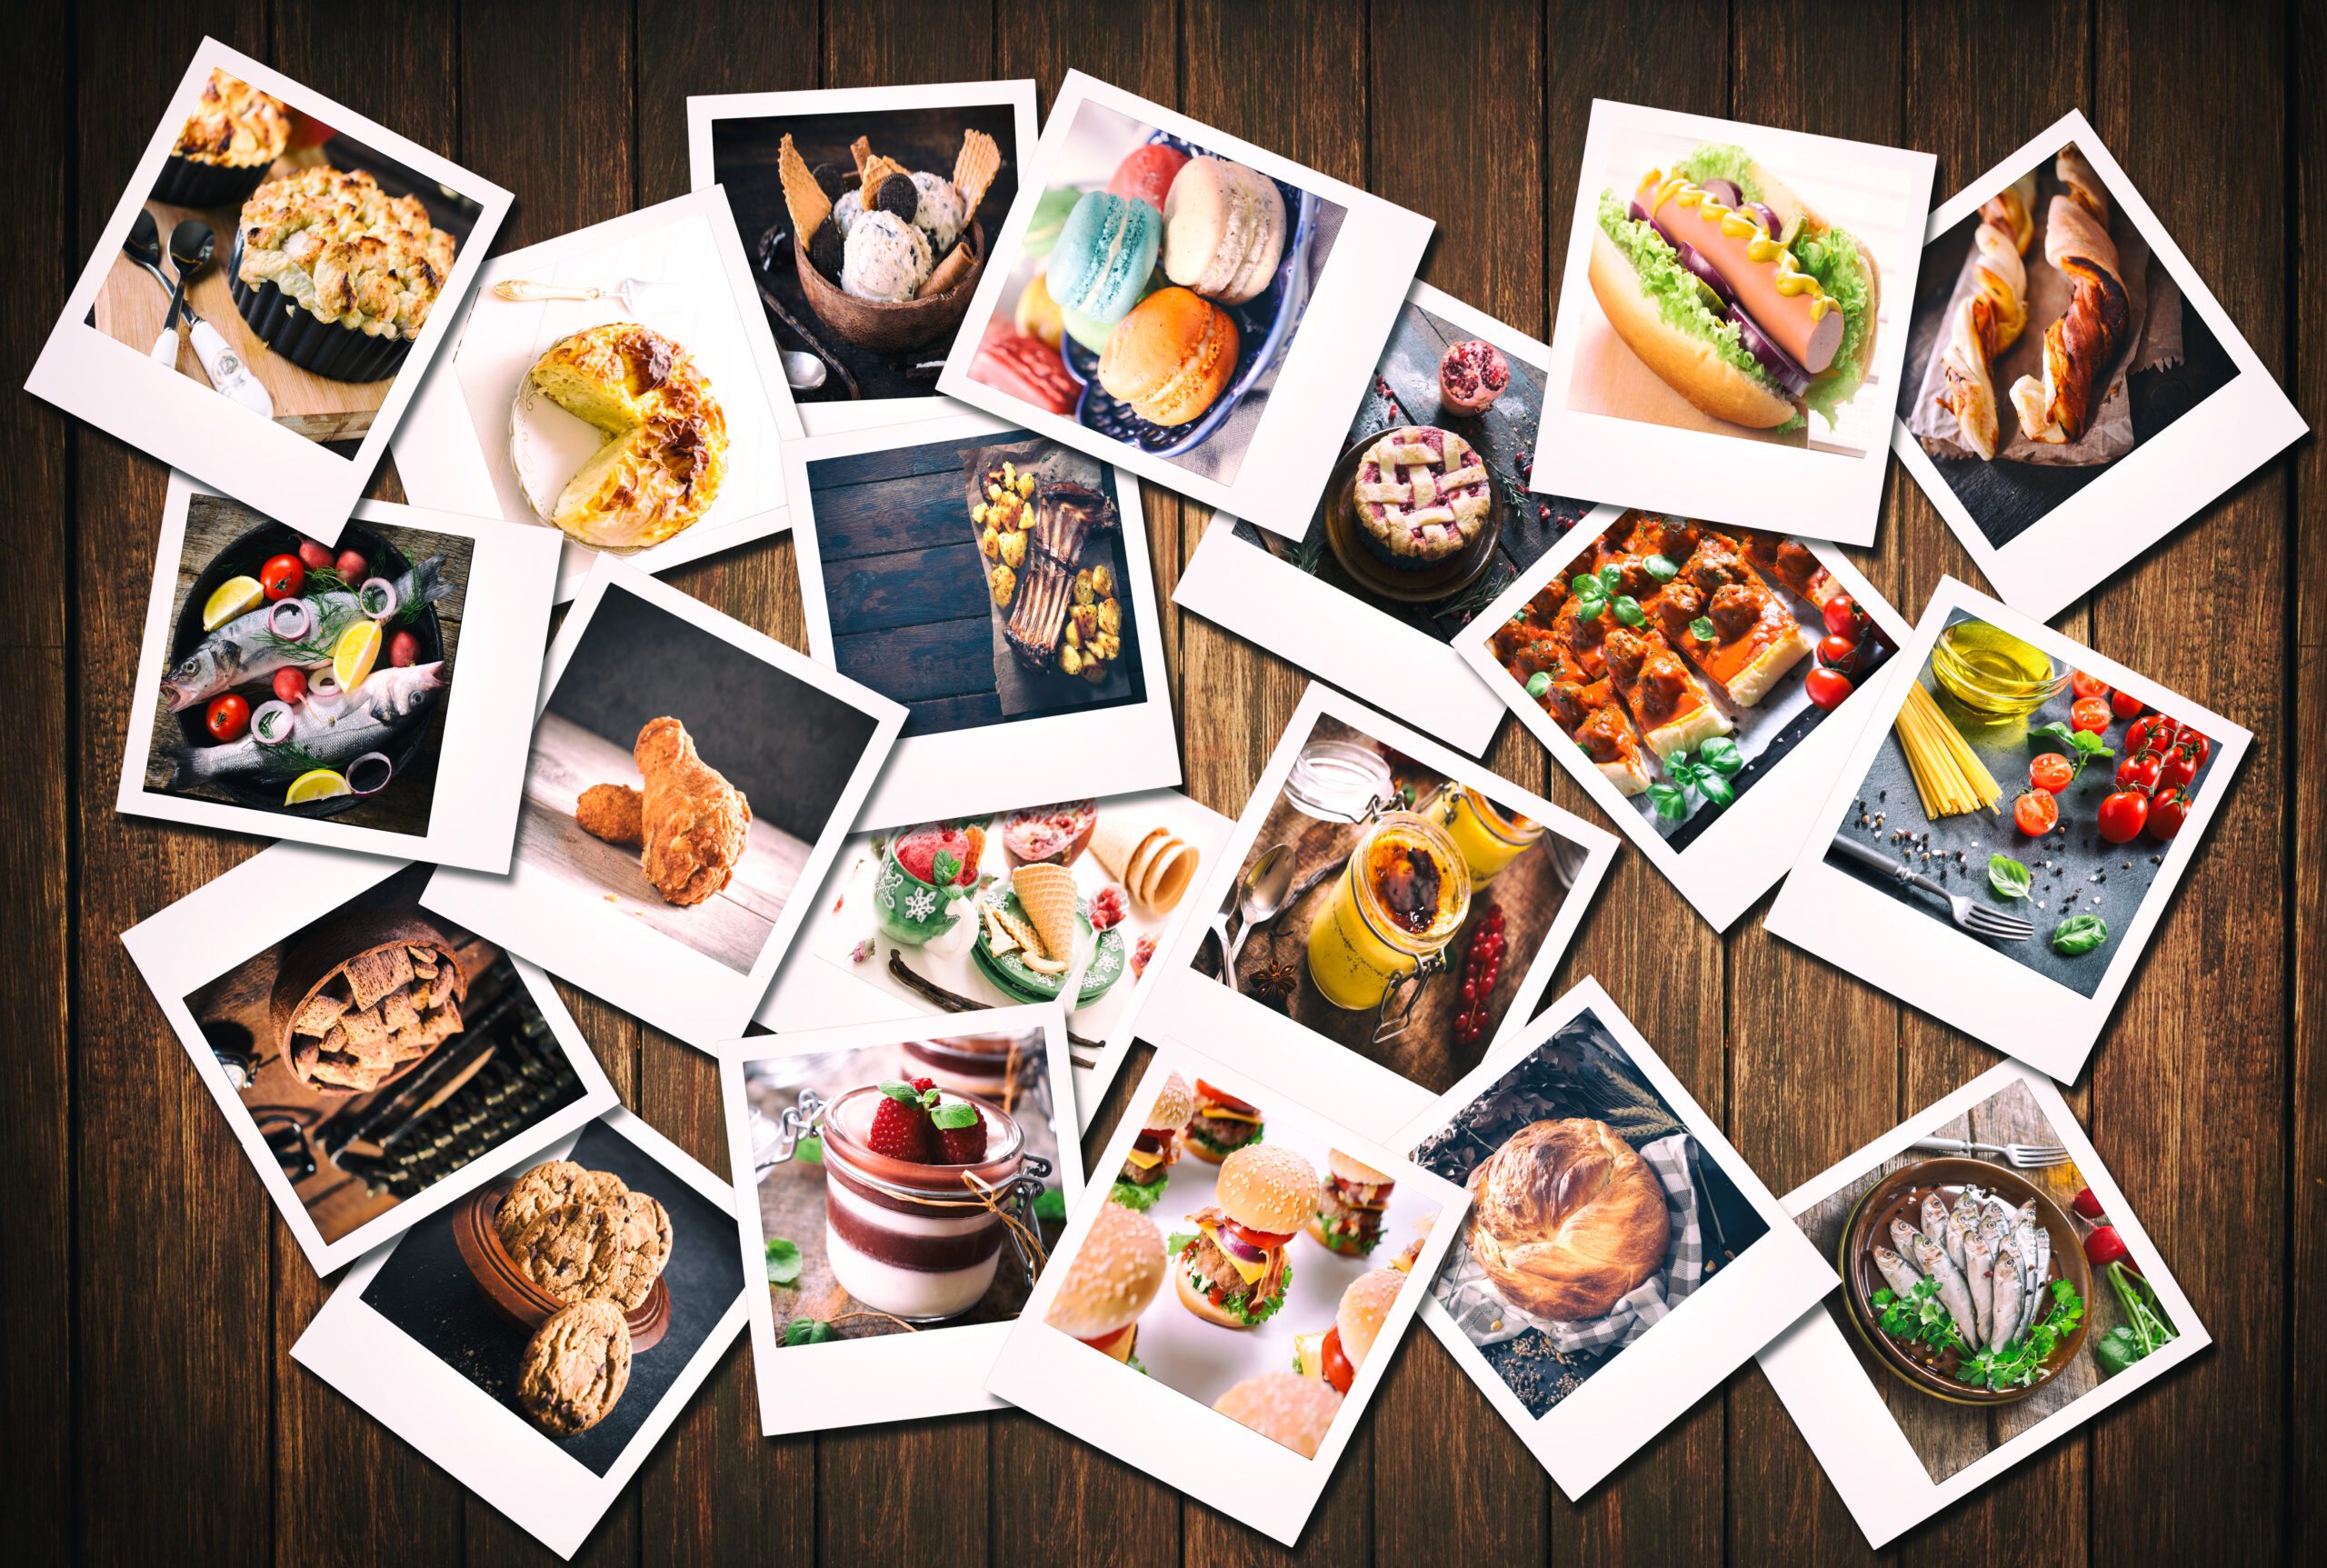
x=1066 y=515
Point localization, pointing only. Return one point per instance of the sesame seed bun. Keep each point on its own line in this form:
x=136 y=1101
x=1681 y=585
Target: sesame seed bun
x=1268 y=1187
x=1364 y=1306
x=1113 y=1277
x=1284 y=1407
x=1175 y=1103
x=1350 y=1168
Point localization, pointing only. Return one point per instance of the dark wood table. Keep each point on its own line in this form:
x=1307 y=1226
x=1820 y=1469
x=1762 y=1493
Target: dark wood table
x=152 y=1411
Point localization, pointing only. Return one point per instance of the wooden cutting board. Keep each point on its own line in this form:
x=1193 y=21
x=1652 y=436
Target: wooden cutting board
x=131 y=305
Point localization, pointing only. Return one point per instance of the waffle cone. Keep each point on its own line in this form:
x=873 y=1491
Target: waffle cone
x=974 y=167
x=803 y=196
x=876 y=169
x=1115 y=844
x=1169 y=873
x=859 y=153
x=1046 y=893
x=1144 y=862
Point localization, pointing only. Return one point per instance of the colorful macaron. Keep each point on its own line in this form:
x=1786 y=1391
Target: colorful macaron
x=1223 y=230
x=1146 y=174
x=1104 y=255
x=1172 y=357
x=1024 y=367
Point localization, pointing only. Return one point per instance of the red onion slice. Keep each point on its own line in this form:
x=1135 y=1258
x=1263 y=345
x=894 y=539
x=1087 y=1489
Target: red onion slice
x=1708 y=275
x=1770 y=225
x=1727 y=192
x=387 y=598
x=1236 y=1248
x=264 y=712
x=324 y=694
x=1792 y=377
x=388 y=772
x=295 y=610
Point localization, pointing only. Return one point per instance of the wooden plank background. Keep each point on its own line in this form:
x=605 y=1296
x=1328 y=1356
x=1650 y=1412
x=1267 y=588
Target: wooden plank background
x=153 y=1412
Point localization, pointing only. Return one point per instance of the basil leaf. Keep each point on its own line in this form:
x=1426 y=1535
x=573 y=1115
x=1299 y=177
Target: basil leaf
x=1702 y=629
x=1628 y=610
x=1588 y=609
x=2079 y=933
x=1671 y=803
x=809 y=1330
x=1538 y=683
x=1714 y=787
x=1586 y=586
x=1612 y=577
x=2055 y=736
x=1720 y=753
x=782 y=1262
x=1662 y=570
x=2007 y=876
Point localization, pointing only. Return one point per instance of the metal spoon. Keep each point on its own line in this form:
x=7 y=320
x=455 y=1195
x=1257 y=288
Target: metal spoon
x=1265 y=886
x=144 y=246
x=191 y=245
x=804 y=372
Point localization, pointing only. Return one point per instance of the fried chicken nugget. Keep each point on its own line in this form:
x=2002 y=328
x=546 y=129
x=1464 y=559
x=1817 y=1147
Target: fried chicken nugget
x=614 y=813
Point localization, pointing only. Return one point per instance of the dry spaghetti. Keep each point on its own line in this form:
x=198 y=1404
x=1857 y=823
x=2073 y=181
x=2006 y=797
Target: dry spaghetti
x=1949 y=775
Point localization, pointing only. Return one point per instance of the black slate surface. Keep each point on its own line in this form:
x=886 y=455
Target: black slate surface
x=427 y=1291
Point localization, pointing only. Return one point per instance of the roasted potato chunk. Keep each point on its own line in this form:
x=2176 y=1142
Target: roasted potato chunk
x=1111 y=615
x=1004 y=583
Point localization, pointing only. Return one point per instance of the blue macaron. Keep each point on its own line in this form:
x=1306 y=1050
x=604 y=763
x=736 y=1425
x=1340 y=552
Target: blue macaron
x=1104 y=255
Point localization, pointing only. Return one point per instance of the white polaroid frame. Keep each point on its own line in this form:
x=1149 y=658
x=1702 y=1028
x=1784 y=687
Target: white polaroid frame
x=567 y=931
x=225 y=922
x=481 y=761
x=451 y=463
x=184 y=423
x=1832 y=1398
x=705 y=110
x=1734 y=861
x=487 y=1447
x=996 y=767
x=1718 y=477
x=1219 y=1462
x=1651 y=1383
x=2160 y=485
x=1323 y=373
x=860 y=1382
x=1914 y=953
x=814 y=990
x=1364 y=1096
x=1334 y=635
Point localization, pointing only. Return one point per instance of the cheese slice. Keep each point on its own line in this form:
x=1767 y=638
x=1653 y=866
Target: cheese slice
x=1309 y=1354
x=1251 y=1271
x=1222 y=1113
x=1143 y=1159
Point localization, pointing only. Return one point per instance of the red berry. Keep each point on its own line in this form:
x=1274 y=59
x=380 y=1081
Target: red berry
x=901 y=1125
x=962 y=1146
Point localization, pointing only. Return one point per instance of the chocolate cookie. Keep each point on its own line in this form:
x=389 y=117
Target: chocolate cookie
x=575 y=1368
x=624 y=1272
x=550 y=1185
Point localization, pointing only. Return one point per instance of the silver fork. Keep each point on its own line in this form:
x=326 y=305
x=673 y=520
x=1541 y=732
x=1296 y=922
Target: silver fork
x=1976 y=918
x=2019 y=1156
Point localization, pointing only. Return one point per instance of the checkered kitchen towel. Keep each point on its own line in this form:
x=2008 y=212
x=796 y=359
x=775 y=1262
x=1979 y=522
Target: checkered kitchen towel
x=1472 y=1300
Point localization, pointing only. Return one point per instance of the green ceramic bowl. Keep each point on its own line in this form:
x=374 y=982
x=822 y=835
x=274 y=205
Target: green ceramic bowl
x=908 y=910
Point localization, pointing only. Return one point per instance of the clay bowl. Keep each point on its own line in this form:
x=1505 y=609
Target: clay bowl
x=889 y=328
x=1870 y=1223
x=513 y=1297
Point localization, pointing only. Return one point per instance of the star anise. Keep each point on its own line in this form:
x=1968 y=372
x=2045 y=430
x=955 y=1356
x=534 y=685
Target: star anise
x=1275 y=985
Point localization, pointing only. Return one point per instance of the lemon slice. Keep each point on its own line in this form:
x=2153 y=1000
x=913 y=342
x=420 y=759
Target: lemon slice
x=234 y=596
x=358 y=651
x=315 y=784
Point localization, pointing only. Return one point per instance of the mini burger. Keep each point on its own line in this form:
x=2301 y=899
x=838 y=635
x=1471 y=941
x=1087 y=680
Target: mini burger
x=1222 y=1125
x=1114 y=1277
x=1348 y=1218
x=1335 y=1354
x=1283 y=1408
x=1148 y=1165
x=1737 y=294
x=1232 y=1268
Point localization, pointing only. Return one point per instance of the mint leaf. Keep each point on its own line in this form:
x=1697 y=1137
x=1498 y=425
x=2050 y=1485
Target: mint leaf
x=954 y=1114
x=809 y=1330
x=811 y=1149
x=945 y=867
x=782 y=1262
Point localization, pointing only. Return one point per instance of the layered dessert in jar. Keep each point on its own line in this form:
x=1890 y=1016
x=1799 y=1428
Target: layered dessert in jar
x=906 y=1231
x=989 y=1066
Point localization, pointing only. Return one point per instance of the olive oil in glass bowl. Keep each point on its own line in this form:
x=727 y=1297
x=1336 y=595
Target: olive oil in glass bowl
x=1992 y=678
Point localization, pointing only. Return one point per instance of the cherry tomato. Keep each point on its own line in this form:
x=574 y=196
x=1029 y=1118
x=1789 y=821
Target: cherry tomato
x=2088 y=685
x=2125 y=705
x=2140 y=772
x=403 y=649
x=2036 y=812
x=1836 y=653
x=2155 y=731
x=290 y=686
x=2089 y=713
x=2180 y=767
x=2050 y=772
x=283 y=577
x=1844 y=618
x=229 y=717
x=314 y=557
x=2123 y=815
x=352 y=567
x=2168 y=810
x=2192 y=738
x=2088 y=1203
x=1828 y=688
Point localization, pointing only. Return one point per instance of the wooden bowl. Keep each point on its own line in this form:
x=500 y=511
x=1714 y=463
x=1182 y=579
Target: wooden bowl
x=1870 y=1222
x=516 y=1299
x=889 y=328
x=303 y=971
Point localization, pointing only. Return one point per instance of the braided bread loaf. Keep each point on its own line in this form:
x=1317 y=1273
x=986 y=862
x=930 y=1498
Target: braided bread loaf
x=1567 y=1218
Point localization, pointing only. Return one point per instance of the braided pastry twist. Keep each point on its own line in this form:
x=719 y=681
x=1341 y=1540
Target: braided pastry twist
x=2079 y=347
x=1991 y=318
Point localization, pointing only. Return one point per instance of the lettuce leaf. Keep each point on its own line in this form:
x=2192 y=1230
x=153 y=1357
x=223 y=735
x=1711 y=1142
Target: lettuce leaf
x=1834 y=258
x=1681 y=300
x=1722 y=161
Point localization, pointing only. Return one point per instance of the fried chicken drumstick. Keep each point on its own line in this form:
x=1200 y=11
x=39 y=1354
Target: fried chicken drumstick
x=694 y=821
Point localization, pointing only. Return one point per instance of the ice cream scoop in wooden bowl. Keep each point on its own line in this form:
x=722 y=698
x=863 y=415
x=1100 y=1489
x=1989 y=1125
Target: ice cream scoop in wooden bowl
x=886 y=327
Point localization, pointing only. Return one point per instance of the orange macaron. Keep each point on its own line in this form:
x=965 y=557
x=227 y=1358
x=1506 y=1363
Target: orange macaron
x=1172 y=357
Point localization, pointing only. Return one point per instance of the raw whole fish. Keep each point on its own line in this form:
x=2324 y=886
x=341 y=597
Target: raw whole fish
x=1960 y=1220
x=1979 y=1276
x=2004 y=1323
x=1897 y=1271
x=243 y=650
x=1934 y=1218
x=2032 y=1286
x=2041 y=1274
x=1933 y=1259
x=367 y=720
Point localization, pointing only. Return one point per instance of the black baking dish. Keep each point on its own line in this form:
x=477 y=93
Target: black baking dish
x=305 y=339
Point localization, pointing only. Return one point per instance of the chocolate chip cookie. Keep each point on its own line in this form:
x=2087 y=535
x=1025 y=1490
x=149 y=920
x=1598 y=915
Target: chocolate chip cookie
x=575 y=1367
x=626 y=1271
x=550 y=1185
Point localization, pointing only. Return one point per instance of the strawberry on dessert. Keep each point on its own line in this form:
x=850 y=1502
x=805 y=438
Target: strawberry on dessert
x=918 y=851
x=1471 y=376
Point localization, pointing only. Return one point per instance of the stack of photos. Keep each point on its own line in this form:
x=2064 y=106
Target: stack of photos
x=1221 y=1321
x=1675 y=668
x=688 y=777
x=1397 y=561
x=2008 y=831
x=889 y=1183
x=1728 y=320
x=889 y=937
x=198 y=332
x=1997 y=1290
x=616 y=384
x=2052 y=481
x=305 y=691
x=1608 y=1214
x=867 y=320
x=997 y=584
x=1387 y=913
x=375 y=1062
x=1153 y=305
x=539 y=1340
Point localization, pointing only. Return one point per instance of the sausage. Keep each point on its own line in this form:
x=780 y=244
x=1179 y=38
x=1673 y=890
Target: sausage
x=1784 y=302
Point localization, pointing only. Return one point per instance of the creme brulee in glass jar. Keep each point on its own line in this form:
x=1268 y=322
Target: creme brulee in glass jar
x=1399 y=900
x=1488 y=838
